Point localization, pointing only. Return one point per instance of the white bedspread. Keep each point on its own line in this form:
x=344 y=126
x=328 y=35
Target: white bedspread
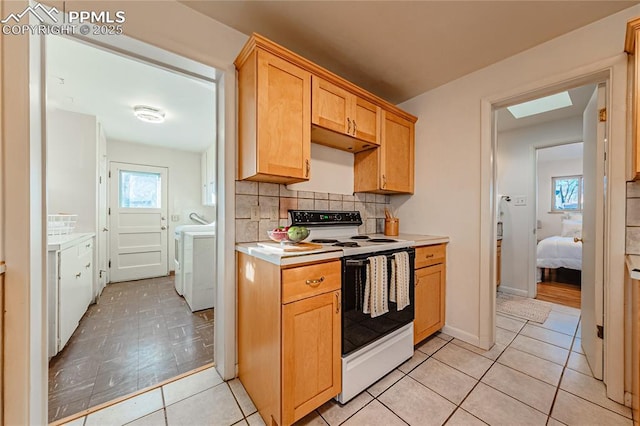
x=559 y=252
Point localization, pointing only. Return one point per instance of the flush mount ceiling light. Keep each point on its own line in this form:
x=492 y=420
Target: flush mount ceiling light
x=148 y=114
x=538 y=106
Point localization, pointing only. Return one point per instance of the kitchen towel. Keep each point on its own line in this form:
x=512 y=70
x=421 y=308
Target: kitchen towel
x=375 y=289
x=400 y=277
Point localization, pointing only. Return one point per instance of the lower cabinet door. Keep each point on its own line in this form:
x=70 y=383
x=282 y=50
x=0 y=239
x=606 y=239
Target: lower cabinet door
x=430 y=298
x=311 y=342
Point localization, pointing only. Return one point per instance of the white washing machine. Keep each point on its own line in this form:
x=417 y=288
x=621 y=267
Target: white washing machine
x=199 y=269
x=178 y=255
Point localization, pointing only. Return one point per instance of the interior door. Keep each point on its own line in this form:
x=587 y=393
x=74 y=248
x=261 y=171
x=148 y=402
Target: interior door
x=138 y=222
x=102 y=246
x=594 y=133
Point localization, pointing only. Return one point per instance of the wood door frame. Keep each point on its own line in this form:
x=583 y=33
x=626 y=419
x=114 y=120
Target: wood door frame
x=604 y=70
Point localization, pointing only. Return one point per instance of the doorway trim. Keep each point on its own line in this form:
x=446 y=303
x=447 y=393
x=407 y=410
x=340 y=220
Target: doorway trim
x=614 y=242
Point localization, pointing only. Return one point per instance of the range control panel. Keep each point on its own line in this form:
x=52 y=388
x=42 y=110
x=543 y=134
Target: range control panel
x=325 y=218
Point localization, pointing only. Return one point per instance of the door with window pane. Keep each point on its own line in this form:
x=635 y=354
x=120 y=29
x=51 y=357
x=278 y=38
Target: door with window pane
x=138 y=218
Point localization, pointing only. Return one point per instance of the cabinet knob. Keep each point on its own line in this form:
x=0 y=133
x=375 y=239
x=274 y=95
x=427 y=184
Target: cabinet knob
x=354 y=127
x=577 y=240
x=79 y=274
x=163 y=227
x=429 y=256
x=337 y=302
x=88 y=265
x=417 y=279
x=349 y=125
x=384 y=181
x=315 y=282
x=308 y=167
x=105 y=229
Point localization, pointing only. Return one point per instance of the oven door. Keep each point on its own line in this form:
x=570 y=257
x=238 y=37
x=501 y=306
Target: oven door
x=358 y=328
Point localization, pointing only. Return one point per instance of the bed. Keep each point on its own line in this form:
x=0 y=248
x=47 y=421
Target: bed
x=561 y=251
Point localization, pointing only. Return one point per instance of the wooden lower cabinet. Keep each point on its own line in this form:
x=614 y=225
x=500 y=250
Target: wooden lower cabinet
x=430 y=282
x=289 y=336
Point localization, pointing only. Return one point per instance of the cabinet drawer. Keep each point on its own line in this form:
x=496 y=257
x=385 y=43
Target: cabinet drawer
x=85 y=247
x=306 y=281
x=430 y=255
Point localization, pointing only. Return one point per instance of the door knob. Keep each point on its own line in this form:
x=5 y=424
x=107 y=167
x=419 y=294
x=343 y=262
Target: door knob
x=577 y=240
x=163 y=227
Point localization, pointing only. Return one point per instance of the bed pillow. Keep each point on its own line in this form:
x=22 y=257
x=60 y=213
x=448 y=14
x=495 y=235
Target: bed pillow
x=571 y=229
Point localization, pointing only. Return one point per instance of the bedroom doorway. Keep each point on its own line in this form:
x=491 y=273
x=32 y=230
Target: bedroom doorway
x=567 y=116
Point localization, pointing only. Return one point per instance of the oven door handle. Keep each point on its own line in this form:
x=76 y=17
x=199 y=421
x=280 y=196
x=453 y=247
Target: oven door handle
x=315 y=282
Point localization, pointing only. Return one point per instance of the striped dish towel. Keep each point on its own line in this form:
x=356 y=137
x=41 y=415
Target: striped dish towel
x=375 y=288
x=400 y=277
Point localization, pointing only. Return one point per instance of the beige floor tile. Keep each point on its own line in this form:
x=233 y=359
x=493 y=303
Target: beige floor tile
x=190 y=385
x=541 y=349
x=461 y=359
x=242 y=422
x=385 y=383
x=462 y=418
x=312 y=419
x=256 y=420
x=76 y=422
x=579 y=363
x=554 y=422
x=417 y=359
x=577 y=346
x=444 y=336
x=431 y=345
x=548 y=336
x=566 y=310
x=128 y=410
x=529 y=364
x=446 y=381
x=562 y=323
x=492 y=353
x=504 y=337
x=417 y=404
x=245 y=402
x=335 y=413
x=156 y=418
x=592 y=390
x=374 y=414
x=215 y=406
x=572 y=410
x=520 y=386
x=509 y=323
x=496 y=408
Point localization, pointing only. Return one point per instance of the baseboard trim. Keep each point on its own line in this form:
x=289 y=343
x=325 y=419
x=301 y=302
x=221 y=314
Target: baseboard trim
x=462 y=335
x=511 y=290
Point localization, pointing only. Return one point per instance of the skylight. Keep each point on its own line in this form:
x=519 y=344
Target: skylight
x=538 y=106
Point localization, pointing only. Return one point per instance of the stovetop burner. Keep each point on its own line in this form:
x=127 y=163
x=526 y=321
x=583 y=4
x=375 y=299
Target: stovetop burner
x=324 y=240
x=382 y=240
x=360 y=237
x=347 y=244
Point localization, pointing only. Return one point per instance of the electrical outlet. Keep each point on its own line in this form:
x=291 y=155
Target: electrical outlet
x=255 y=212
x=175 y=218
x=520 y=200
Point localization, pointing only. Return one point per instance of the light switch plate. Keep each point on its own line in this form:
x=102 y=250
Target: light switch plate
x=175 y=218
x=520 y=200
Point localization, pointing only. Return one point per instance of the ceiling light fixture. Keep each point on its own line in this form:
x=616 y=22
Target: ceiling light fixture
x=538 y=106
x=148 y=114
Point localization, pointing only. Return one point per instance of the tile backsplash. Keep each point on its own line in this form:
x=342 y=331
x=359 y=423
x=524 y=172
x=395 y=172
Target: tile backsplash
x=263 y=206
x=633 y=218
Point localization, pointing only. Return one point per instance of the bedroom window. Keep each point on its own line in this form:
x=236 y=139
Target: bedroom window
x=566 y=193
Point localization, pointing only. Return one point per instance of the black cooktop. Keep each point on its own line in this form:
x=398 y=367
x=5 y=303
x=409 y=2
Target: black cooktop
x=324 y=240
x=382 y=240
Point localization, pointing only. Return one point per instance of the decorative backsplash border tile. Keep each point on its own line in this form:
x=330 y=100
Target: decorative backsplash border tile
x=263 y=206
x=633 y=218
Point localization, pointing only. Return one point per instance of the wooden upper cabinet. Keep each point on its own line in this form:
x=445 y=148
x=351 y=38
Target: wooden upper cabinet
x=389 y=169
x=274 y=119
x=632 y=47
x=352 y=122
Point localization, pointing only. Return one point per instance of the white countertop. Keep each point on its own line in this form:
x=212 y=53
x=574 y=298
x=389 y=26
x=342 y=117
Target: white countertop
x=327 y=252
x=61 y=242
x=633 y=263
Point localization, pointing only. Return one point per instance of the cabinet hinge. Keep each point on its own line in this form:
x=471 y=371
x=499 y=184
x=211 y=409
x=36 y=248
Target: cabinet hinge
x=109 y=263
x=602 y=114
x=100 y=179
x=600 y=331
x=109 y=173
x=109 y=211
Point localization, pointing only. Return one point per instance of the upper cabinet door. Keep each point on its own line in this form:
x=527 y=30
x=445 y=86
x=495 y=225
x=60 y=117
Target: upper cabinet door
x=366 y=120
x=397 y=162
x=331 y=106
x=284 y=118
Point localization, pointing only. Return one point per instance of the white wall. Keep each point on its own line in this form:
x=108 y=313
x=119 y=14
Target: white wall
x=551 y=223
x=184 y=180
x=451 y=185
x=515 y=177
x=72 y=166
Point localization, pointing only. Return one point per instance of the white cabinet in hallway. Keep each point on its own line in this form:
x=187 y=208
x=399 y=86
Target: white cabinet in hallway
x=69 y=285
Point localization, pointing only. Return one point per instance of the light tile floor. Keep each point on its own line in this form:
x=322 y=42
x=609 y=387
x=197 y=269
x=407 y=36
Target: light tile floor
x=535 y=374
